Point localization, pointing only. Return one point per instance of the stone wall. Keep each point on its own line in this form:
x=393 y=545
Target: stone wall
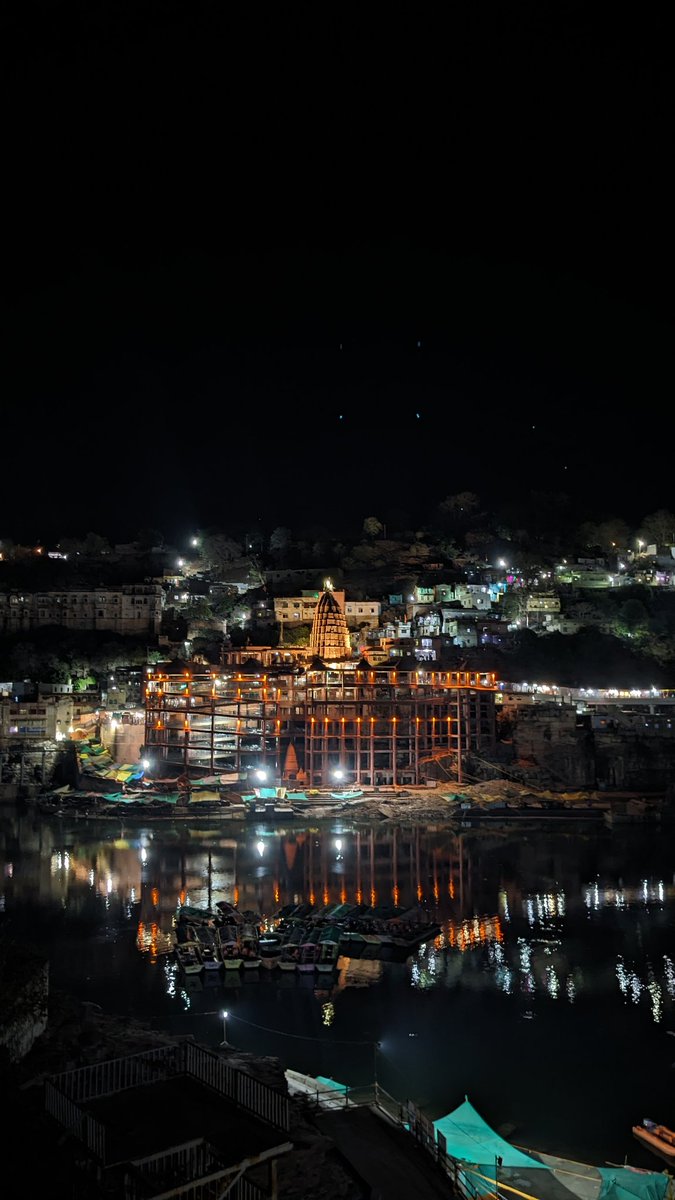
x=551 y=746
x=24 y=1003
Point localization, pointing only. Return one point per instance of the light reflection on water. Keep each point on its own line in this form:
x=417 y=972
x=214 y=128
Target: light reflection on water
x=552 y=971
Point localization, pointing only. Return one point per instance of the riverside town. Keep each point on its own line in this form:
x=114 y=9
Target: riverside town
x=259 y=779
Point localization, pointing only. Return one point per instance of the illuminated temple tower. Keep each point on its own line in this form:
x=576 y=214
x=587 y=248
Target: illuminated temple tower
x=330 y=637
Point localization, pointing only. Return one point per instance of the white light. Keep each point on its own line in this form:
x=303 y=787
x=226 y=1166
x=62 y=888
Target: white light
x=143 y=855
x=195 y=541
x=180 y=562
x=338 y=773
x=146 y=764
x=260 y=847
x=224 y=1015
x=338 y=844
x=260 y=774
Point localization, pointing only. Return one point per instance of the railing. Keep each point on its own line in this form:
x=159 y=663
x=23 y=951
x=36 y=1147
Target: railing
x=198 y=1172
x=210 y=1187
x=248 y=1093
x=422 y=1129
x=66 y=1094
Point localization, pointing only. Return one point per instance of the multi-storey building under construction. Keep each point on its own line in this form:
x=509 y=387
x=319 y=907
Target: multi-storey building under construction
x=317 y=724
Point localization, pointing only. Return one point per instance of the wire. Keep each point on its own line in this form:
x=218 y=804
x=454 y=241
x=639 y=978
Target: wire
x=280 y=1033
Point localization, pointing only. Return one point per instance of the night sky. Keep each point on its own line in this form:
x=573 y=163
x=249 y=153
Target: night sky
x=288 y=268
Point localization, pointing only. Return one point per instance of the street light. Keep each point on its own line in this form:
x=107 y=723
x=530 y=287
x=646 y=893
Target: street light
x=376 y=1047
x=224 y=1015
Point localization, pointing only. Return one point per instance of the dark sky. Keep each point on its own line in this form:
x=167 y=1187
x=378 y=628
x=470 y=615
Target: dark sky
x=223 y=230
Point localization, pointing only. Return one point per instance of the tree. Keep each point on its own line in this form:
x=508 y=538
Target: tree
x=659 y=527
x=512 y=604
x=280 y=542
x=94 y=545
x=459 y=509
x=297 y=635
x=611 y=535
x=632 y=619
x=372 y=527
x=148 y=538
x=219 y=550
x=83 y=682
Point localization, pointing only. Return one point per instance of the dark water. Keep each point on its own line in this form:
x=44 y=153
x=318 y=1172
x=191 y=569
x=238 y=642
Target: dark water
x=547 y=999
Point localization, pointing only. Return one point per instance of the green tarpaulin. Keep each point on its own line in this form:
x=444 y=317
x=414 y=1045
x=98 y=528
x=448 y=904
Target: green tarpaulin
x=619 y=1183
x=469 y=1138
x=471 y=1141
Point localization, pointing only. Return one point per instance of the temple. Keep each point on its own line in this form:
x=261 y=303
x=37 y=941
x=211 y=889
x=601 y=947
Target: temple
x=329 y=639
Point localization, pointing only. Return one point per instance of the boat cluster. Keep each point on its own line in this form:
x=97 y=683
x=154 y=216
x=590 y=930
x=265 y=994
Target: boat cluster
x=297 y=938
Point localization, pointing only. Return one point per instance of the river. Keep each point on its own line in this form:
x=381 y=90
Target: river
x=547 y=998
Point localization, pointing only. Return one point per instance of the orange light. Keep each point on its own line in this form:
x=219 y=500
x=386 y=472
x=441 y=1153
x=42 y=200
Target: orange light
x=155 y=896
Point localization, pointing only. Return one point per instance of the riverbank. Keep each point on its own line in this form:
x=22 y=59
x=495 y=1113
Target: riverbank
x=490 y=802
x=80 y=1034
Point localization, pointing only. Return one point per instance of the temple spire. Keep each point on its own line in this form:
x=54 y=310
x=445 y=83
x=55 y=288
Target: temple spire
x=330 y=637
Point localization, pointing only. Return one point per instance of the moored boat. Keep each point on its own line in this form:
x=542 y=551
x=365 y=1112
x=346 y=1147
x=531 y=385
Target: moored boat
x=328 y=949
x=229 y=948
x=208 y=947
x=269 y=949
x=309 y=952
x=188 y=957
x=657 y=1138
x=290 y=950
x=249 y=946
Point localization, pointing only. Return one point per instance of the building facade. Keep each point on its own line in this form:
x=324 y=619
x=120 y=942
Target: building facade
x=355 y=722
x=130 y=609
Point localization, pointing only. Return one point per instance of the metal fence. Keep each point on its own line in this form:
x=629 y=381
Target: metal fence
x=422 y=1129
x=198 y=1172
x=67 y=1093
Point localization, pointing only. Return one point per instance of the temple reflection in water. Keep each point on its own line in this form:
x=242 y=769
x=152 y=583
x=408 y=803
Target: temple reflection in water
x=526 y=940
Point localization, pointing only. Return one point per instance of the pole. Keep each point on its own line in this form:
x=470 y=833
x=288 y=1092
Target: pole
x=498 y=1163
x=224 y=1041
x=459 y=735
